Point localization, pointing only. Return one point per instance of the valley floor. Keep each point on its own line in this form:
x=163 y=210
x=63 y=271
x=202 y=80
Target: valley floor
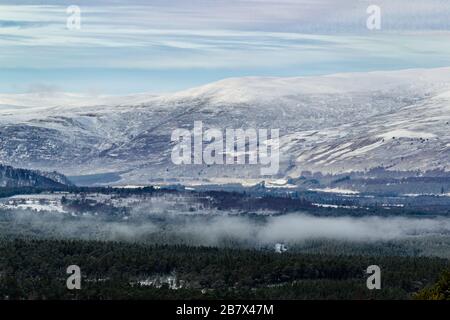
x=171 y=244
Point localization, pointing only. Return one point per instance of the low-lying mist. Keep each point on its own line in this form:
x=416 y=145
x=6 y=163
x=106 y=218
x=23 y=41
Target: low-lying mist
x=213 y=230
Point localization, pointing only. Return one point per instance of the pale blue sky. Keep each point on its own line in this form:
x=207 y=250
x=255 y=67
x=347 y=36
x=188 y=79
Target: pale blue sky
x=156 y=45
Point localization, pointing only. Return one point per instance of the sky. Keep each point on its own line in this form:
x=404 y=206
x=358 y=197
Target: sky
x=158 y=46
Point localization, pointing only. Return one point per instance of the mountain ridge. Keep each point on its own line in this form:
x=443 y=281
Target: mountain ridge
x=397 y=120
x=17 y=177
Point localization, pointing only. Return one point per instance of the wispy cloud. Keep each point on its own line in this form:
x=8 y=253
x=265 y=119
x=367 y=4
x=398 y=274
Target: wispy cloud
x=259 y=36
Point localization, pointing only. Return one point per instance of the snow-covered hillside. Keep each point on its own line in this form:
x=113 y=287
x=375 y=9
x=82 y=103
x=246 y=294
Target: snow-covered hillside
x=397 y=120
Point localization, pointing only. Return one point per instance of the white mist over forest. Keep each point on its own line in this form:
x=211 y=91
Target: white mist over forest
x=212 y=230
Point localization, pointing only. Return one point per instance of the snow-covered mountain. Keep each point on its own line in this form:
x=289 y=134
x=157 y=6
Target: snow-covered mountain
x=339 y=123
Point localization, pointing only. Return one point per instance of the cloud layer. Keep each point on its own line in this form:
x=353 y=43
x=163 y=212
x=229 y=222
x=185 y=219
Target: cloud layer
x=211 y=39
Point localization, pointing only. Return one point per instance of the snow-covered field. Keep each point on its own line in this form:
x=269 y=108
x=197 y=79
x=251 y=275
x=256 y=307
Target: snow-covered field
x=53 y=206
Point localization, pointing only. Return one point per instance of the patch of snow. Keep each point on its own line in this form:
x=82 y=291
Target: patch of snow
x=336 y=190
x=403 y=133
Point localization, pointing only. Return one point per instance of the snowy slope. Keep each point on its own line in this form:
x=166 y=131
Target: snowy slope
x=416 y=137
x=54 y=99
x=338 y=123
